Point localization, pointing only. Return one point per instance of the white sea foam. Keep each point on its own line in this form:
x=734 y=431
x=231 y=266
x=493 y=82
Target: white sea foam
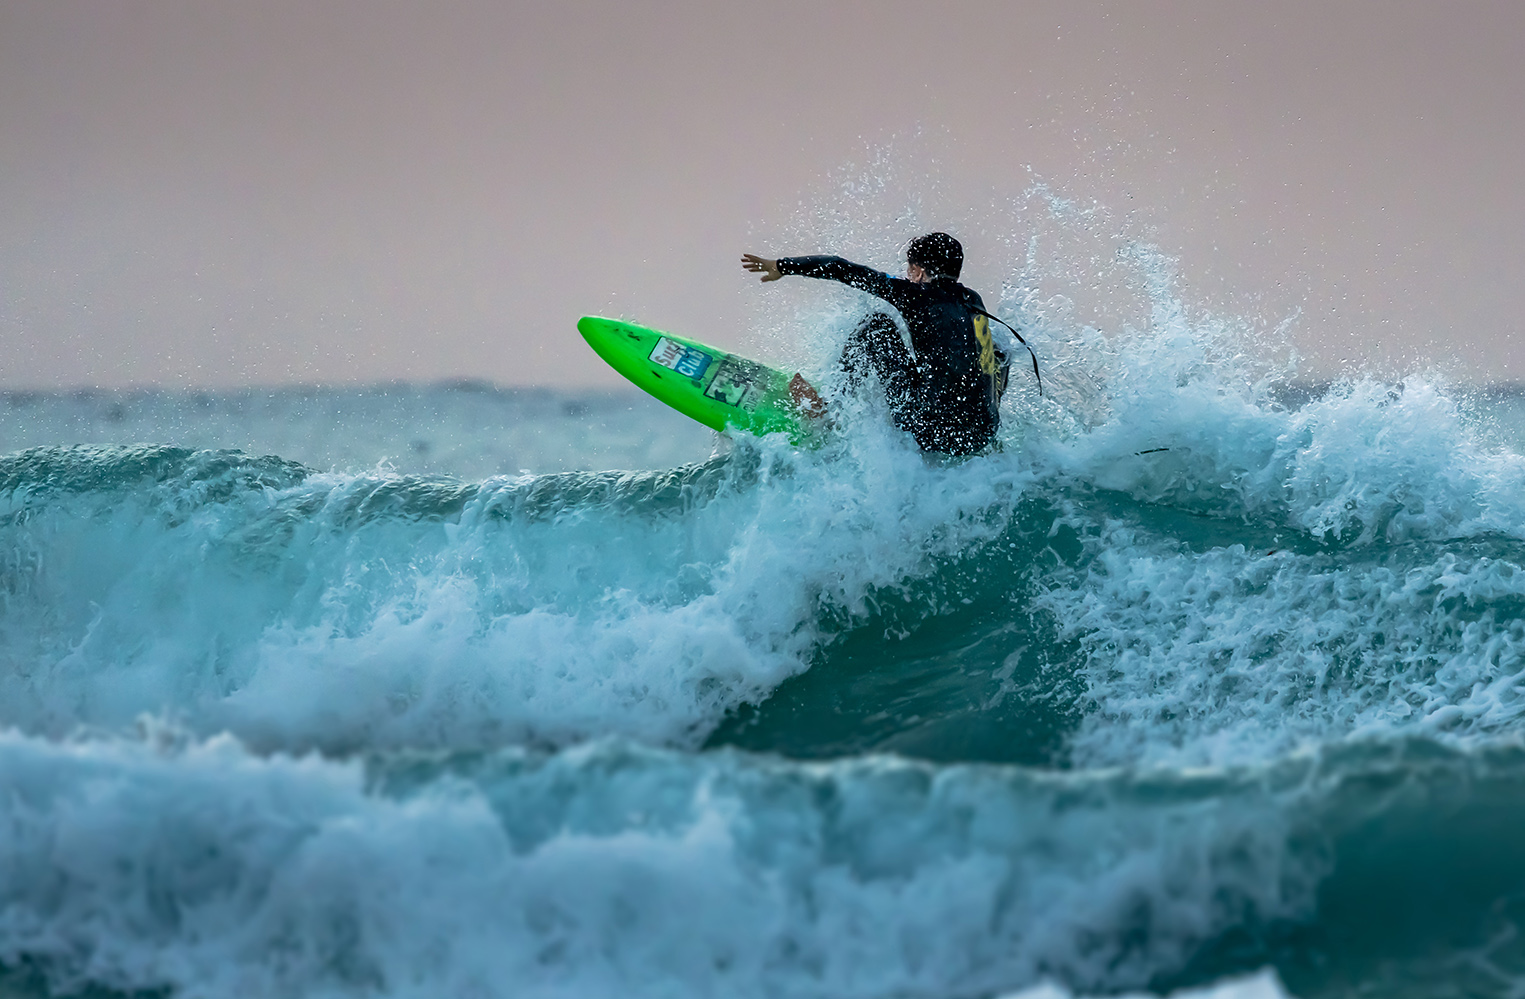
x=1367 y=462
x=1234 y=654
x=331 y=613
x=612 y=871
x=1355 y=570
x=1264 y=985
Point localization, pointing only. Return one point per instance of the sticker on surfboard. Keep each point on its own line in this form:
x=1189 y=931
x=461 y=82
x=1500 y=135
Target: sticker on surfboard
x=685 y=361
x=739 y=383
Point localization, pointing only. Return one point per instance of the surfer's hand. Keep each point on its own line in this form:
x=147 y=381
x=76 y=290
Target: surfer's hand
x=761 y=265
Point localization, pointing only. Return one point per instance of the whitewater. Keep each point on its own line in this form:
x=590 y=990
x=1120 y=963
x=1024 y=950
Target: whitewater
x=1209 y=682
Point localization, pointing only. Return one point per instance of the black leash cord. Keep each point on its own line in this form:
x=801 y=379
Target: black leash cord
x=1019 y=340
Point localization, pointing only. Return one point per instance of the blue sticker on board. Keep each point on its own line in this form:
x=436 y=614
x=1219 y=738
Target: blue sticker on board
x=692 y=363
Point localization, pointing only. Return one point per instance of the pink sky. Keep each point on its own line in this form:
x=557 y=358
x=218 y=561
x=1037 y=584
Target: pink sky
x=315 y=191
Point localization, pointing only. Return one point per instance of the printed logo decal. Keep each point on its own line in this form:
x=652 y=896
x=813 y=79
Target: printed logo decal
x=738 y=383
x=685 y=361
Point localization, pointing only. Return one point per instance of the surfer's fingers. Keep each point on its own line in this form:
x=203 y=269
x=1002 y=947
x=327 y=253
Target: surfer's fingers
x=761 y=265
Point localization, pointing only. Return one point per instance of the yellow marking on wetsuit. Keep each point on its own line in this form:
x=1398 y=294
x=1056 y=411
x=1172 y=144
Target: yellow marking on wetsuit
x=989 y=366
x=988 y=363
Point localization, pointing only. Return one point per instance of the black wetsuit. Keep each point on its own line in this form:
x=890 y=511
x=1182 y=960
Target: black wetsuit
x=949 y=394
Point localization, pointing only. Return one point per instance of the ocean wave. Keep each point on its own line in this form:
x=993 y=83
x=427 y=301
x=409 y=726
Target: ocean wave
x=302 y=609
x=1344 y=567
x=164 y=861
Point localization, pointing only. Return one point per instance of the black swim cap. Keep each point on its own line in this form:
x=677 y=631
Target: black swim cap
x=939 y=253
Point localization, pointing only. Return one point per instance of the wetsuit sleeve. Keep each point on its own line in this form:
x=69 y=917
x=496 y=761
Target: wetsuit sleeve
x=892 y=289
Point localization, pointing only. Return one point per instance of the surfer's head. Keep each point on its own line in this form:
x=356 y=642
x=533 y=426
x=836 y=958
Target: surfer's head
x=937 y=253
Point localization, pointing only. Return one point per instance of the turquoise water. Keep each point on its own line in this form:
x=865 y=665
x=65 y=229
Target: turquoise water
x=402 y=691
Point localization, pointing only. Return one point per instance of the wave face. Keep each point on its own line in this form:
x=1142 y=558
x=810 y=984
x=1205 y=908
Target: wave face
x=1199 y=676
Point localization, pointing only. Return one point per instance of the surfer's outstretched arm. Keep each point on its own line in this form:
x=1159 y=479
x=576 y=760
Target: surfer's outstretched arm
x=894 y=290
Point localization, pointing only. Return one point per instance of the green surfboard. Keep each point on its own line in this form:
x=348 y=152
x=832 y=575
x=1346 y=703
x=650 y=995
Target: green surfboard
x=719 y=389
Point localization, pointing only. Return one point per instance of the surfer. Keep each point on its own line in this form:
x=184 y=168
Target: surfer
x=946 y=390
